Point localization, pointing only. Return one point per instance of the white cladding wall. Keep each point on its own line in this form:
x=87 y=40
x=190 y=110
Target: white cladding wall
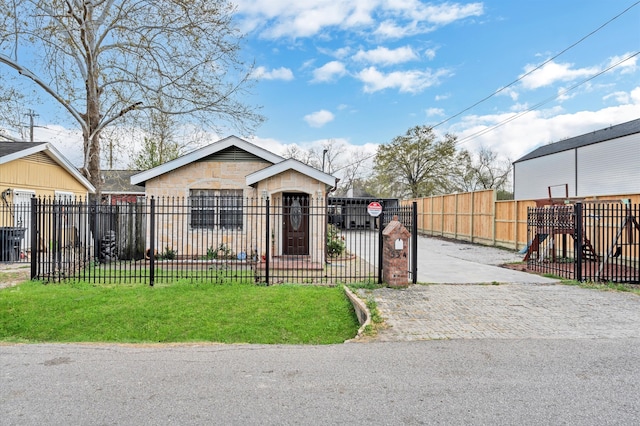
x=610 y=167
x=533 y=177
x=607 y=168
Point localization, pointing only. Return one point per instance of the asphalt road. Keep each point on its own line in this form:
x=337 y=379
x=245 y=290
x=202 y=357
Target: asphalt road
x=573 y=361
x=485 y=381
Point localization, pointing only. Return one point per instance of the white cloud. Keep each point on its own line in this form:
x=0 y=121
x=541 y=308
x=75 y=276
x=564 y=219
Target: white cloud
x=510 y=92
x=430 y=54
x=282 y=73
x=619 y=97
x=433 y=112
x=67 y=141
x=329 y=72
x=413 y=81
x=385 y=56
x=446 y=13
x=341 y=53
x=635 y=95
x=412 y=17
x=629 y=66
x=553 y=72
x=395 y=30
x=520 y=136
x=293 y=18
x=270 y=144
x=319 y=118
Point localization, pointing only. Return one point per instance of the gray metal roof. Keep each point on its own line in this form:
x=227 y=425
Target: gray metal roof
x=612 y=132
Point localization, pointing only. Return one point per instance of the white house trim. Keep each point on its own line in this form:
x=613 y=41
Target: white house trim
x=203 y=152
x=290 y=164
x=56 y=156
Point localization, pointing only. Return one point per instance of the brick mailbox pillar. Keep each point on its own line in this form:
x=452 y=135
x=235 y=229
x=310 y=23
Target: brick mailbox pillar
x=395 y=254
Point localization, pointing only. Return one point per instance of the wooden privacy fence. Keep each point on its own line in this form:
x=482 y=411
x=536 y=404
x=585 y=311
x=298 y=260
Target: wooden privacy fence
x=478 y=217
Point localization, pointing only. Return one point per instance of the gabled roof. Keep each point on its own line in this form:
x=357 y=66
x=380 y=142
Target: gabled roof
x=119 y=182
x=290 y=164
x=11 y=151
x=199 y=154
x=612 y=132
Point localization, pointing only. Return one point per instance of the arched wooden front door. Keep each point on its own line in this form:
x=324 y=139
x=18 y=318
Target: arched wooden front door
x=295 y=224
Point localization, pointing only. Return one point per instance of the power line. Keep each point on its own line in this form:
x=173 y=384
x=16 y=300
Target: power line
x=538 y=105
x=536 y=68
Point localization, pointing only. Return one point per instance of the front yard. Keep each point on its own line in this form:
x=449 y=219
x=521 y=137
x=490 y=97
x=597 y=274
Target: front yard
x=175 y=313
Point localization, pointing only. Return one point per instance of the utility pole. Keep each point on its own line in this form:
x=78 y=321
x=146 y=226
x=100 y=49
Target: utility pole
x=31 y=114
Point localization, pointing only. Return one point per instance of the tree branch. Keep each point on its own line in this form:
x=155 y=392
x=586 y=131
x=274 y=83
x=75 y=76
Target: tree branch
x=30 y=75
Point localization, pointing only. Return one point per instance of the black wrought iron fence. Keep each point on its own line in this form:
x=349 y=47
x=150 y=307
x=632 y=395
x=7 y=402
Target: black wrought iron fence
x=285 y=239
x=585 y=241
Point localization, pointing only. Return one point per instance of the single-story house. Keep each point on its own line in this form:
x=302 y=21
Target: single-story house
x=223 y=182
x=29 y=169
x=603 y=162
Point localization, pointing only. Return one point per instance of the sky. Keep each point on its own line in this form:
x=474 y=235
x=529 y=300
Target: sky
x=361 y=72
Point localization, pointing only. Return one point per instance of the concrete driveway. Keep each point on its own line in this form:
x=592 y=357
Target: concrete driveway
x=465 y=295
x=449 y=262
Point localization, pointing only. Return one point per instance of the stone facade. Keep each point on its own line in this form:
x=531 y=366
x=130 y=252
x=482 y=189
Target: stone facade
x=230 y=175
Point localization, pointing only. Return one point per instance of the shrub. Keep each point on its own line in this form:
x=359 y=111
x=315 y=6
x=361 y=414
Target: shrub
x=335 y=242
x=168 y=254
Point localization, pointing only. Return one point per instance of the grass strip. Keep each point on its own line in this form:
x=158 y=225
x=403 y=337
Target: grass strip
x=179 y=312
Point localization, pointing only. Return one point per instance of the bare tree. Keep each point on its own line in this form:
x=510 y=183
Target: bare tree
x=336 y=159
x=12 y=114
x=354 y=175
x=104 y=59
x=160 y=145
x=484 y=170
x=327 y=156
x=300 y=154
x=330 y=157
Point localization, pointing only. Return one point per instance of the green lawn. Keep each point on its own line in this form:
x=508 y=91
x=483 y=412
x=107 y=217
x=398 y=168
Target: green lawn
x=179 y=312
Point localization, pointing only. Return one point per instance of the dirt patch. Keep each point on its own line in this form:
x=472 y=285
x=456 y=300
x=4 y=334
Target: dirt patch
x=566 y=270
x=11 y=275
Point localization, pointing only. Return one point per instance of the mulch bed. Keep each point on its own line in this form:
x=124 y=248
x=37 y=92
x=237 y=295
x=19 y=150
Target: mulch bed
x=566 y=270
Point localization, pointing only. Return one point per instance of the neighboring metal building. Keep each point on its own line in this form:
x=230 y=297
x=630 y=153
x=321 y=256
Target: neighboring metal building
x=603 y=162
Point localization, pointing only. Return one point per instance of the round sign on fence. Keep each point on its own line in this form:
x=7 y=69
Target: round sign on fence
x=374 y=209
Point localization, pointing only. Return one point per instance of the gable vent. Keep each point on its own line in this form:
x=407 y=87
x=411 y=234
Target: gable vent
x=233 y=153
x=40 y=157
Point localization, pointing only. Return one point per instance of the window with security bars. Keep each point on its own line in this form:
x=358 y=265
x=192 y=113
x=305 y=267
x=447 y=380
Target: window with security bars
x=212 y=208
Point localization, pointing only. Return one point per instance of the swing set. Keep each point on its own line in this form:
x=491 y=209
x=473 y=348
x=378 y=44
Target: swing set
x=555 y=218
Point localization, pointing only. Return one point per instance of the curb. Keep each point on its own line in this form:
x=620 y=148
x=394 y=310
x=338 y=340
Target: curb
x=362 y=312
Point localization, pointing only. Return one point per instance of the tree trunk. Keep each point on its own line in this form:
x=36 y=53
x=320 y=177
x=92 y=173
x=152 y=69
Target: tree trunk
x=92 y=116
